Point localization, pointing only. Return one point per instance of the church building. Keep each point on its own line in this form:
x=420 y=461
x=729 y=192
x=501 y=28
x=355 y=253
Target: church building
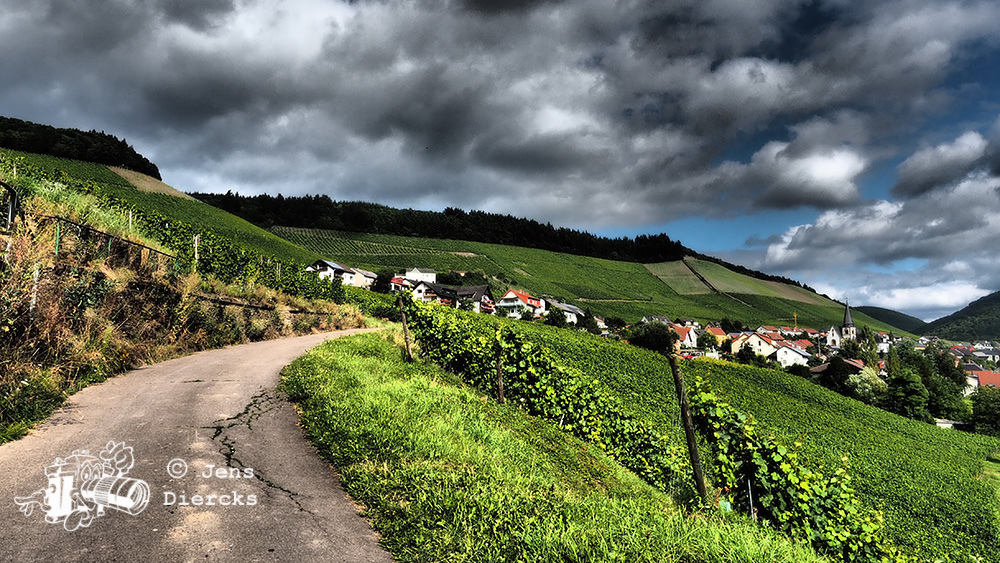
x=847 y=331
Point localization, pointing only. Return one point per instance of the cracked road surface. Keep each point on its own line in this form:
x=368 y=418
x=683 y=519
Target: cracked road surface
x=264 y=493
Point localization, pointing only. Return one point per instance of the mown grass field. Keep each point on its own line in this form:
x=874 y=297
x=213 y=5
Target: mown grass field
x=606 y=287
x=444 y=475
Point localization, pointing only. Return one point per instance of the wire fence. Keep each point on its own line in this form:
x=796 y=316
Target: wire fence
x=80 y=244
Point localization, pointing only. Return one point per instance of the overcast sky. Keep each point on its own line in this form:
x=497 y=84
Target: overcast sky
x=854 y=146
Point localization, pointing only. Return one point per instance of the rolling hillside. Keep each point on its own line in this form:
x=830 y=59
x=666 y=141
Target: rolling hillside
x=979 y=320
x=895 y=318
x=151 y=194
x=691 y=288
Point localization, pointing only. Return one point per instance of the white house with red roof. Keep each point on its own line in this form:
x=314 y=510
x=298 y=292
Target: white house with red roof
x=981 y=379
x=515 y=300
x=763 y=344
x=688 y=336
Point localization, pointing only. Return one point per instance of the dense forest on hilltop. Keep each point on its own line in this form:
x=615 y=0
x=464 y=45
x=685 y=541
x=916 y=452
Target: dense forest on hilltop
x=321 y=212
x=90 y=146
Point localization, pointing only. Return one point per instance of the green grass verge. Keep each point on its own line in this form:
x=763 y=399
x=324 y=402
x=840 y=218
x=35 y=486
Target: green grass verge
x=446 y=476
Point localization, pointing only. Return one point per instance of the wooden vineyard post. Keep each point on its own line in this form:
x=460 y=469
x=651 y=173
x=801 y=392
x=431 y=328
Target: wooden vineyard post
x=500 y=396
x=699 y=477
x=196 y=253
x=406 y=330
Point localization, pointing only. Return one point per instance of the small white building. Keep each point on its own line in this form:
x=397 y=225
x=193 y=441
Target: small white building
x=787 y=355
x=420 y=274
x=327 y=269
x=573 y=313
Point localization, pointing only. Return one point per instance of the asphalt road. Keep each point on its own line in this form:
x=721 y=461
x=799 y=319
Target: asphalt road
x=273 y=500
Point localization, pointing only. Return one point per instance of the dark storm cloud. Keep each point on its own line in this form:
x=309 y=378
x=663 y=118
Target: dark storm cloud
x=503 y=6
x=669 y=109
x=941 y=165
x=198 y=14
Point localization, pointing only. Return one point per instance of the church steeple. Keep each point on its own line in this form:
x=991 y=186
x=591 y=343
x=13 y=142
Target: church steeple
x=848 y=330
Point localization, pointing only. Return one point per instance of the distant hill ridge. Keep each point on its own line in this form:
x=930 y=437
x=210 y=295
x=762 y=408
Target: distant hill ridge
x=979 y=320
x=90 y=146
x=321 y=212
x=895 y=318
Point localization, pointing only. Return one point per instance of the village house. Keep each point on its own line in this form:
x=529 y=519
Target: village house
x=435 y=293
x=514 y=301
x=420 y=274
x=400 y=283
x=328 y=270
x=719 y=334
x=988 y=354
x=479 y=295
x=358 y=278
x=787 y=354
x=688 y=337
x=739 y=340
x=573 y=313
x=981 y=379
x=762 y=344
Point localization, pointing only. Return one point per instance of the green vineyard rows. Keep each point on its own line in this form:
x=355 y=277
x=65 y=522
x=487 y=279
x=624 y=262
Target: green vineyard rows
x=606 y=287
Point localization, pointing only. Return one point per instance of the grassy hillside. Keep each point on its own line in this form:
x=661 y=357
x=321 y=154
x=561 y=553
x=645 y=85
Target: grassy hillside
x=979 y=320
x=607 y=287
x=895 y=318
x=159 y=197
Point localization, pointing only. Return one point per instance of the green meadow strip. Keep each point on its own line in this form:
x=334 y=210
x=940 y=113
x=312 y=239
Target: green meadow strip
x=445 y=474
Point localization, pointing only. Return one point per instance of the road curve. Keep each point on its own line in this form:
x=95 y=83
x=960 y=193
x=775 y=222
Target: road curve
x=273 y=500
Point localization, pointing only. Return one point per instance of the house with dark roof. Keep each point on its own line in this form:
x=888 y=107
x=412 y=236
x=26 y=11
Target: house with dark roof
x=480 y=296
x=573 y=313
x=359 y=278
x=328 y=270
x=788 y=354
x=435 y=293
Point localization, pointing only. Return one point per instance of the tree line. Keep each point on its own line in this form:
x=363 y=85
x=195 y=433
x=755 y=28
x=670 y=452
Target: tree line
x=89 y=146
x=322 y=212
